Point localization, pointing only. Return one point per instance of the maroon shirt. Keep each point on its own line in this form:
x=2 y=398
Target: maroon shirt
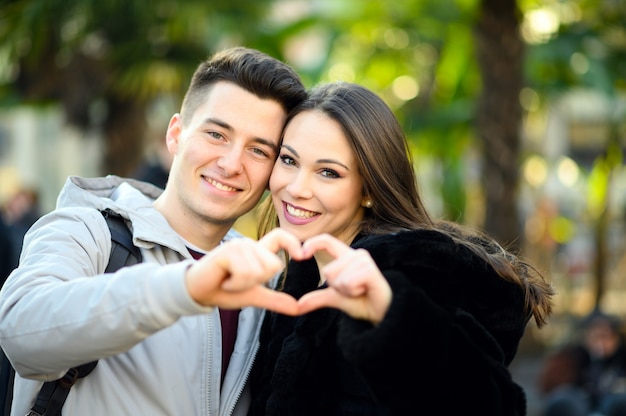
x=229 y=319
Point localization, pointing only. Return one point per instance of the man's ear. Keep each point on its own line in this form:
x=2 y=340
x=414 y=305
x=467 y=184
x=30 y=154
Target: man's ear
x=172 y=135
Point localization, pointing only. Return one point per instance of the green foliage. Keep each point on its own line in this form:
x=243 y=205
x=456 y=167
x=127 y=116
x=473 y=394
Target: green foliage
x=136 y=50
x=588 y=50
x=141 y=49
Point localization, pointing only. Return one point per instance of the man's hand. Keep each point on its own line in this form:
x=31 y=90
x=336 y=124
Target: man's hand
x=234 y=275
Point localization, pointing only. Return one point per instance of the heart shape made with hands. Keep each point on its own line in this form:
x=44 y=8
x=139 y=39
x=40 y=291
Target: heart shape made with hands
x=243 y=268
x=333 y=257
x=236 y=275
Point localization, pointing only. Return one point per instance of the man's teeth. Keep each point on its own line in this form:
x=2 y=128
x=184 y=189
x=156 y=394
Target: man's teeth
x=221 y=186
x=300 y=213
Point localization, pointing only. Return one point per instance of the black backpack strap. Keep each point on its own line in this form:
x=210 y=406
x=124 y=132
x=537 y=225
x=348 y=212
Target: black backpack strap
x=123 y=251
x=53 y=394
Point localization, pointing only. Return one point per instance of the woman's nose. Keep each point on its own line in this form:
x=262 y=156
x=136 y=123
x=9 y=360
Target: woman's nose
x=299 y=186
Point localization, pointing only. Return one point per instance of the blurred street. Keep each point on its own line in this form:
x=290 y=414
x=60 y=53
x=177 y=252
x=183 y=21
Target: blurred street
x=525 y=370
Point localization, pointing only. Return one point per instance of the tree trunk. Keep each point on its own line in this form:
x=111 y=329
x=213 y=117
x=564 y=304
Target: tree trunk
x=124 y=130
x=600 y=260
x=613 y=161
x=500 y=51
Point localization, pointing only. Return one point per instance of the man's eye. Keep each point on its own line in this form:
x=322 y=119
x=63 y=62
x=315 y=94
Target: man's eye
x=260 y=152
x=215 y=135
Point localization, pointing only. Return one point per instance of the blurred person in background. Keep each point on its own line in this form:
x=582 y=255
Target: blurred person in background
x=155 y=168
x=588 y=376
x=21 y=211
x=6 y=251
x=6 y=261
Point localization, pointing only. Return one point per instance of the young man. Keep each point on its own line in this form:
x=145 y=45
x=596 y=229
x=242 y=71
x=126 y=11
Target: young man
x=162 y=345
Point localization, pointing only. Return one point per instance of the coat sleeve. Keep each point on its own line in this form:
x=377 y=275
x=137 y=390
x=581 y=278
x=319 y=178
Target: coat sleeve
x=58 y=309
x=424 y=357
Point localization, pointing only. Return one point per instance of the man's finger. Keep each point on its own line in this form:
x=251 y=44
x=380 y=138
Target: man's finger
x=242 y=277
x=317 y=299
x=276 y=301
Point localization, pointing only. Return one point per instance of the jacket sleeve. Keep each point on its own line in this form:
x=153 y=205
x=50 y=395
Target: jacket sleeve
x=423 y=357
x=58 y=309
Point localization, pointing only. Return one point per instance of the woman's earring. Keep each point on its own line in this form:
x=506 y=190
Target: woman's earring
x=368 y=203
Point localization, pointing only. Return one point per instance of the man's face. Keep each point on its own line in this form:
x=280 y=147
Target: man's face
x=224 y=156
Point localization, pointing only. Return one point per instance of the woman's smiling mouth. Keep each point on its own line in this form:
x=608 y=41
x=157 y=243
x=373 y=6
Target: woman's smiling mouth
x=298 y=216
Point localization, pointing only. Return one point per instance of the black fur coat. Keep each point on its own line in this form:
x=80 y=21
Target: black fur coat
x=443 y=348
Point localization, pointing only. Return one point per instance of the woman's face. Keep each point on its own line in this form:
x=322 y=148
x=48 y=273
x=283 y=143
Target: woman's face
x=316 y=185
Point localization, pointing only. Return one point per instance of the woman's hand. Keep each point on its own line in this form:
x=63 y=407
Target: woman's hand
x=234 y=274
x=355 y=284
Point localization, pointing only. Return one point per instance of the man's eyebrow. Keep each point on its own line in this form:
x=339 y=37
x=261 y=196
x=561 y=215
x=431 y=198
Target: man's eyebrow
x=225 y=125
x=221 y=123
x=268 y=143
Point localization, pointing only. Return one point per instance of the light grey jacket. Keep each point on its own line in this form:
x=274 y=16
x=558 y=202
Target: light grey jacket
x=159 y=351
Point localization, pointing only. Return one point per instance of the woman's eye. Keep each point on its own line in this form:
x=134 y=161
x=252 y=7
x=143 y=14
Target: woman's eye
x=329 y=173
x=287 y=160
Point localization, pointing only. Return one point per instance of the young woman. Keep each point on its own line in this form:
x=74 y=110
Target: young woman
x=432 y=314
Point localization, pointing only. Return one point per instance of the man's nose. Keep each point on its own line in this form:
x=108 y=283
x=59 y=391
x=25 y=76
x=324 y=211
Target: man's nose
x=231 y=161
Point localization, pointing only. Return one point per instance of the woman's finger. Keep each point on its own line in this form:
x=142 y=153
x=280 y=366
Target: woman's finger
x=325 y=242
x=279 y=239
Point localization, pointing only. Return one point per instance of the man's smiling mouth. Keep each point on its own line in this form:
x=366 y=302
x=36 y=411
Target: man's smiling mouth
x=221 y=186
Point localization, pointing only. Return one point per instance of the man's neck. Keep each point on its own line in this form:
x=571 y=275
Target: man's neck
x=198 y=231
x=205 y=236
